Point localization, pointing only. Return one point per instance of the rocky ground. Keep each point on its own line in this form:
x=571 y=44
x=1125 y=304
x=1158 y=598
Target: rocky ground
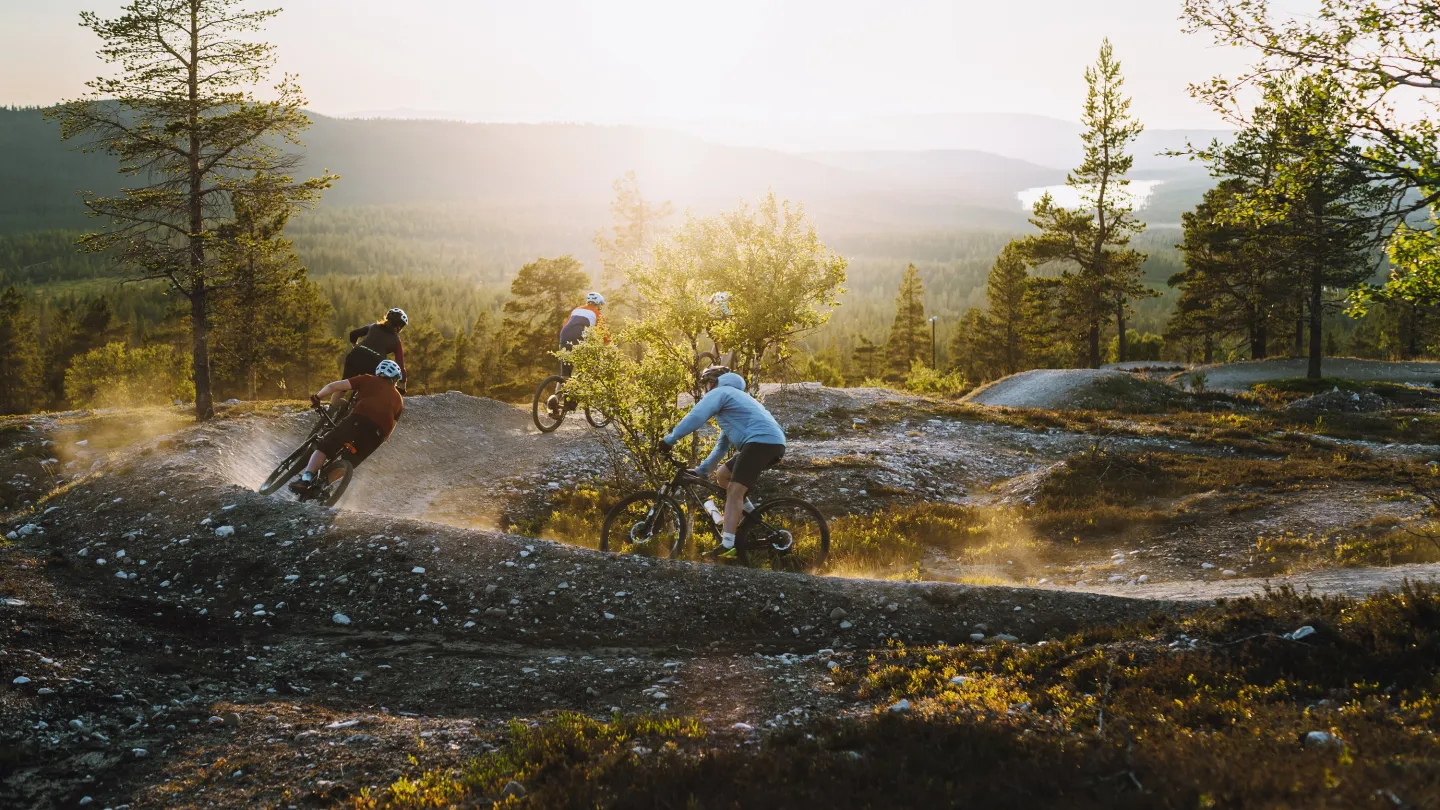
x=170 y=638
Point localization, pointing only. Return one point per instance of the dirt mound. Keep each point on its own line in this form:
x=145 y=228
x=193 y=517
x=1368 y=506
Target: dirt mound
x=454 y=458
x=1240 y=376
x=1074 y=389
x=794 y=405
x=1338 y=401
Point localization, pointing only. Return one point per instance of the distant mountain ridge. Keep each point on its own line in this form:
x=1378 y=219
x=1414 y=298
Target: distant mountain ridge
x=567 y=166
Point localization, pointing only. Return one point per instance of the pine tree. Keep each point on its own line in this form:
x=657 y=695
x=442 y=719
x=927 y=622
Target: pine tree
x=969 y=352
x=1237 y=275
x=19 y=355
x=1095 y=237
x=253 y=327
x=426 y=358
x=909 y=335
x=1310 y=192
x=459 y=374
x=542 y=296
x=866 y=357
x=1002 y=330
x=181 y=116
x=316 y=357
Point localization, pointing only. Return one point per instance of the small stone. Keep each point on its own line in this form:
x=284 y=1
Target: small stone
x=977 y=636
x=216 y=720
x=1207 y=566
x=901 y=705
x=417 y=570
x=1301 y=632
x=224 y=531
x=139 y=753
x=21 y=681
x=1003 y=637
x=959 y=680
x=44 y=691
x=846 y=625
x=513 y=788
x=1323 y=739
x=495 y=611
x=340 y=618
x=1228 y=572
x=77 y=725
x=743 y=727
x=838 y=614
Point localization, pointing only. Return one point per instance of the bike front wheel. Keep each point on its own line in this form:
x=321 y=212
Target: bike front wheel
x=597 y=418
x=786 y=534
x=548 y=409
x=645 y=523
x=286 y=469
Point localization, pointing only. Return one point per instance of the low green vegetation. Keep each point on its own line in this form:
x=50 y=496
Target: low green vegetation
x=1230 y=707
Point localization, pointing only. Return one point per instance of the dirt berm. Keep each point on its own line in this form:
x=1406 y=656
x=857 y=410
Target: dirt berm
x=165 y=528
x=1071 y=389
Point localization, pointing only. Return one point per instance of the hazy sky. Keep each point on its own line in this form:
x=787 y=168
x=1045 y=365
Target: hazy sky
x=663 y=60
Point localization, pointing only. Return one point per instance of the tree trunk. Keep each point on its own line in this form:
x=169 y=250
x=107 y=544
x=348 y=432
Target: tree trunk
x=1316 y=323
x=1094 y=343
x=199 y=329
x=1300 y=330
x=1120 y=326
x=1413 y=347
x=200 y=354
x=1209 y=349
x=1259 y=349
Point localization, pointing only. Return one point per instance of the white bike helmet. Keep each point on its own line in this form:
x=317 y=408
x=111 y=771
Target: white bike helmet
x=720 y=304
x=595 y=298
x=397 y=317
x=389 y=369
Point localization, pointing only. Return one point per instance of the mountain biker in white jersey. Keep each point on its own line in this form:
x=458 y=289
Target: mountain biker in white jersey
x=745 y=425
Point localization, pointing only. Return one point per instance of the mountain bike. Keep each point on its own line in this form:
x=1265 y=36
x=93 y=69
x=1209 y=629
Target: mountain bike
x=552 y=404
x=334 y=477
x=784 y=534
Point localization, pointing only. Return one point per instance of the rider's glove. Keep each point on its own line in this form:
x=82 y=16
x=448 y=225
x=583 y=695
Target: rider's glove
x=666 y=447
x=314 y=400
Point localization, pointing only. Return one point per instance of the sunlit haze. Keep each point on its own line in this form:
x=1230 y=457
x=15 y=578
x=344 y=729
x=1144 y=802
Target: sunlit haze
x=740 y=71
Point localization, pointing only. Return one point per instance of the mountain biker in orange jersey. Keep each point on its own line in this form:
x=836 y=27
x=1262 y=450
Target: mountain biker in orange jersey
x=581 y=318
x=758 y=439
x=587 y=316
x=372 y=343
x=378 y=406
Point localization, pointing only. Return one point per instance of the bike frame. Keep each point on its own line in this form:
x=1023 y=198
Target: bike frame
x=683 y=488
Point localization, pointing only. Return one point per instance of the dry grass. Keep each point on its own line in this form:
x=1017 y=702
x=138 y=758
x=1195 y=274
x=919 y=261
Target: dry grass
x=1207 y=712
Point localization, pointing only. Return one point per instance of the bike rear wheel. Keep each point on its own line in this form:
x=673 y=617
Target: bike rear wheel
x=786 y=534
x=546 y=419
x=645 y=523
x=286 y=469
x=705 y=360
x=338 y=473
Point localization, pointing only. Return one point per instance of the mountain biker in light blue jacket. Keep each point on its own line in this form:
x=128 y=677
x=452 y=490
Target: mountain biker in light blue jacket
x=746 y=426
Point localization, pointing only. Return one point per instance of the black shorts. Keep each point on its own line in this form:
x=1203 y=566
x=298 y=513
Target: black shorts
x=568 y=342
x=356 y=432
x=359 y=361
x=754 y=458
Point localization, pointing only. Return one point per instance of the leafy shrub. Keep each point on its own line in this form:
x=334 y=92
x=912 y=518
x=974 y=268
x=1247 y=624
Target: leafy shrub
x=116 y=375
x=923 y=379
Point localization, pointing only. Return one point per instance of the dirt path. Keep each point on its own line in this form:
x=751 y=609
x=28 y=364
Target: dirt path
x=1357 y=582
x=1239 y=376
x=1041 y=387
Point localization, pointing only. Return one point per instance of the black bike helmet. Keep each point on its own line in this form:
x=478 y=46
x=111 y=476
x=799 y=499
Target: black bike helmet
x=397 y=318
x=711 y=376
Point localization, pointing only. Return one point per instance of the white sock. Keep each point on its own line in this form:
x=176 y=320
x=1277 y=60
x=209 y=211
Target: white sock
x=307 y=476
x=727 y=539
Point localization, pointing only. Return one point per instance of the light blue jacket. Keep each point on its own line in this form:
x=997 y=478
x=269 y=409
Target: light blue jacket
x=742 y=420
